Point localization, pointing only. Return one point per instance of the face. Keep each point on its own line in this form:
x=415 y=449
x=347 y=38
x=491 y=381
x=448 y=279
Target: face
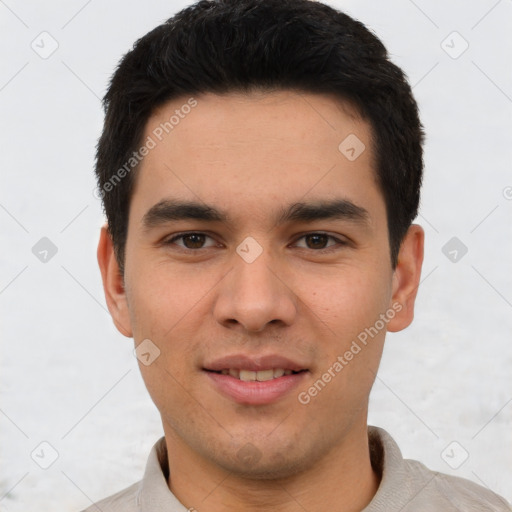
x=266 y=302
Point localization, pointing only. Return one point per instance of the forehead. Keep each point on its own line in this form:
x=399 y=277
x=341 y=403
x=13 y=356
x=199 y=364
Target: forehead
x=280 y=120
x=255 y=151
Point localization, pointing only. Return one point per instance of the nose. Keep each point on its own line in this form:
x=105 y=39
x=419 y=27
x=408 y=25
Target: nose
x=255 y=294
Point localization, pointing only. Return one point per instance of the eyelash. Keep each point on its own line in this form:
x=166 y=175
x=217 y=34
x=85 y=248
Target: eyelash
x=340 y=243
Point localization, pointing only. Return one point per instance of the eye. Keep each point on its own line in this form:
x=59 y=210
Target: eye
x=318 y=241
x=191 y=241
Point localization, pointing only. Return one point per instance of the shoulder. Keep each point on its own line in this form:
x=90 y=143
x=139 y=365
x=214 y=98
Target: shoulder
x=452 y=492
x=409 y=486
x=123 y=501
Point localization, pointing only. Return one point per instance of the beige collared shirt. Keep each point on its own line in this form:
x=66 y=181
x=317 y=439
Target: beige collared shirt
x=406 y=486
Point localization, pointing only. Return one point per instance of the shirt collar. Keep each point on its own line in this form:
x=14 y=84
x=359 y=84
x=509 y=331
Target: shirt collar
x=154 y=493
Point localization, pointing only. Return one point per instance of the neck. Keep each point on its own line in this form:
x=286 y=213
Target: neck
x=343 y=480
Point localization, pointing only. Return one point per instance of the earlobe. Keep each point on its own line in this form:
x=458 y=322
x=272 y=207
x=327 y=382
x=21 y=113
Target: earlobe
x=113 y=286
x=406 y=278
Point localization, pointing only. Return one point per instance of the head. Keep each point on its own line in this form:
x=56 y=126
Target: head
x=281 y=135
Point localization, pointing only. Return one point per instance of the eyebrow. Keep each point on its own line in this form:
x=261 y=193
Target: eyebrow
x=336 y=209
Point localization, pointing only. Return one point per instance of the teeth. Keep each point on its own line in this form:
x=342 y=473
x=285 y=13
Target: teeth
x=260 y=376
x=247 y=375
x=264 y=375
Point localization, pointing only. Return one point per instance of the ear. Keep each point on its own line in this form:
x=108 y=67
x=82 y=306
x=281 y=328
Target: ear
x=406 y=278
x=113 y=284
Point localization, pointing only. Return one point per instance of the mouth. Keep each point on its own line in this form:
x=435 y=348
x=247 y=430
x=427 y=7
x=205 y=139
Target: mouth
x=259 y=375
x=253 y=380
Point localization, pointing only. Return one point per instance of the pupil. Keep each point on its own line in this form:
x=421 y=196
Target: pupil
x=323 y=240
x=197 y=241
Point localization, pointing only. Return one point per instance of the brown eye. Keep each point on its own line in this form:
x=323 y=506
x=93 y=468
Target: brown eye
x=320 y=241
x=190 y=241
x=316 y=241
x=193 y=241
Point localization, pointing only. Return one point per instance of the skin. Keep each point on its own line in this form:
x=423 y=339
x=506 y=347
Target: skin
x=250 y=154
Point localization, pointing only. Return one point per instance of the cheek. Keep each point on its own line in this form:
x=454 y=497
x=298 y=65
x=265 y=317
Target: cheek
x=346 y=302
x=345 y=309
x=160 y=298
x=164 y=307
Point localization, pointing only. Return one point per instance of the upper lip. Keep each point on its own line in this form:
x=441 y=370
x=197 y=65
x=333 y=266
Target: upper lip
x=254 y=363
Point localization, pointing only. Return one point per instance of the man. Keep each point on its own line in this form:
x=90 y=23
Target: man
x=260 y=167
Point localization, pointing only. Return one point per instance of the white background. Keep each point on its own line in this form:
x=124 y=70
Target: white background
x=70 y=379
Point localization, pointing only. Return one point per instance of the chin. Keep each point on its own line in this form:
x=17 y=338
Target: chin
x=269 y=467
x=263 y=472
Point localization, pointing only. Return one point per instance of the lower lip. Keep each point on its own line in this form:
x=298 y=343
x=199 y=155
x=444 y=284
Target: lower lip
x=255 y=392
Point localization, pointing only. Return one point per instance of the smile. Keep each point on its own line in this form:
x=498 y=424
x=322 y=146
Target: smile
x=260 y=375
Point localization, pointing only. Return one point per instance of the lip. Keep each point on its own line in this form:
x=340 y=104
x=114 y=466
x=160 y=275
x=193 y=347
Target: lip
x=254 y=392
x=254 y=363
